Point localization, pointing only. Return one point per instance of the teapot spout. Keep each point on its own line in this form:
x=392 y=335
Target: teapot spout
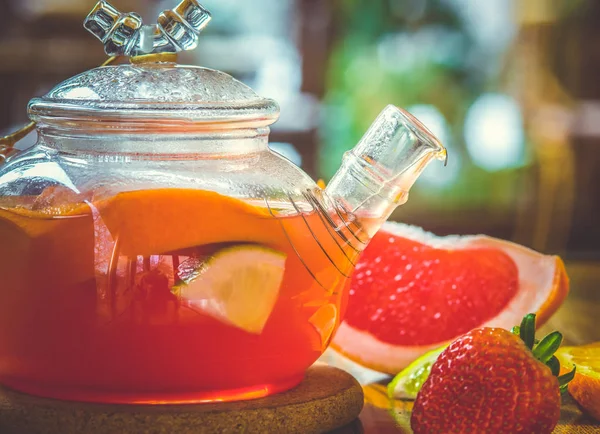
x=376 y=176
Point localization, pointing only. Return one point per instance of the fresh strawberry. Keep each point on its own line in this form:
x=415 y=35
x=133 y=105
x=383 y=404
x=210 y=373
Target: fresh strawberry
x=493 y=381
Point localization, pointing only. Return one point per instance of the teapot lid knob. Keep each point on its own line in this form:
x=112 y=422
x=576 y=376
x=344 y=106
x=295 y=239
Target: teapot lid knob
x=124 y=34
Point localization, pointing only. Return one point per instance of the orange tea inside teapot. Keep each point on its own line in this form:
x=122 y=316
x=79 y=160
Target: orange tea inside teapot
x=161 y=293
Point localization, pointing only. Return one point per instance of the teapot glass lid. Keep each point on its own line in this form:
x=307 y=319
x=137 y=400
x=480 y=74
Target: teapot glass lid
x=152 y=87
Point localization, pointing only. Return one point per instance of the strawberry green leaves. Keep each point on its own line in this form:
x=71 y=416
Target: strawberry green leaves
x=527 y=330
x=563 y=380
x=554 y=365
x=547 y=347
x=544 y=349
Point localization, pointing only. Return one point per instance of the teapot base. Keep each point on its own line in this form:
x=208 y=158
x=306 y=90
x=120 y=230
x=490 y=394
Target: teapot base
x=99 y=396
x=327 y=398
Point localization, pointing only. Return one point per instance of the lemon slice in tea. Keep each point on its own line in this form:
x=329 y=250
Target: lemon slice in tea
x=238 y=285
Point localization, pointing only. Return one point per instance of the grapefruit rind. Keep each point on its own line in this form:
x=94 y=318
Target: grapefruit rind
x=543 y=286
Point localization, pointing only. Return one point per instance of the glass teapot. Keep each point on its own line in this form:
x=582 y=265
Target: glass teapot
x=154 y=250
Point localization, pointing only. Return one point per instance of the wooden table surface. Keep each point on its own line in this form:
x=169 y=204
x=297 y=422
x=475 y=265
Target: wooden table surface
x=577 y=319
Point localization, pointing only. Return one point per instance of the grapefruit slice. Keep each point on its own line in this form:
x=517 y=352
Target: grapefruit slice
x=413 y=292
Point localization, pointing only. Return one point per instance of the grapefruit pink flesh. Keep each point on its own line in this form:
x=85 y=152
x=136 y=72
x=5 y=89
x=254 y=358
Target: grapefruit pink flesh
x=408 y=293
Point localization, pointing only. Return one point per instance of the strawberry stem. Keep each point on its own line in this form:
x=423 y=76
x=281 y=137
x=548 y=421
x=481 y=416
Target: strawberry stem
x=554 y=365
x=563 y=380
x=527 y=330
x=516 y=330
x=547 y=347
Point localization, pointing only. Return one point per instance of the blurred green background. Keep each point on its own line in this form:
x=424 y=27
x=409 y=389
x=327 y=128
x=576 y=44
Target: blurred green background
x=509 y=86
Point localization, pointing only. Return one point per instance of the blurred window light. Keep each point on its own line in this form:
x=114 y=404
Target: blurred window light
x=404 y=51
x=492 y=23
x=288 y=151
x=299 y=112
x=494 y=132
x=436 y=175
x=267 y=17
x=256 y=17
x=280 y=77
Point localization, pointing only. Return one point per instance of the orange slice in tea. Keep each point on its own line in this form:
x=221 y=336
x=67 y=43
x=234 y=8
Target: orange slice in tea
x=412 y=292
x=324 y=321
x=585 y=387
x=238 y=285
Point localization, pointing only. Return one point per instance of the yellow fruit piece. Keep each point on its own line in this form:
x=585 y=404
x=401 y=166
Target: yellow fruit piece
x=238 y=285
x=585 y=387
x=408 y=382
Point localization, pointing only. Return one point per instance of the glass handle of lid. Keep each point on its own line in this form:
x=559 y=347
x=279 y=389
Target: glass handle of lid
x=124 y=34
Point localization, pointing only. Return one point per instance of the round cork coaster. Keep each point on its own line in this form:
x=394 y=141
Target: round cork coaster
x=327 y=399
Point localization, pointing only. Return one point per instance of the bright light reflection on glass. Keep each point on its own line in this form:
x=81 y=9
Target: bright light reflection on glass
x=494 y=132
x=288 y=151
x=80 y=93
x=47 y=171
